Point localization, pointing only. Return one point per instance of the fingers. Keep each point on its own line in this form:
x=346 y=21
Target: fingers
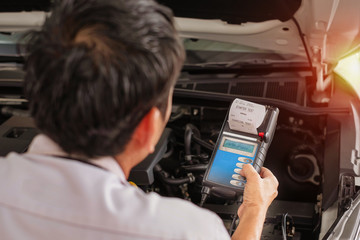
x=260 y=189
x=266 y=173
x=249 y=172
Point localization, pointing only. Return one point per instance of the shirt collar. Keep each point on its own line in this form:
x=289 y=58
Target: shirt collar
x=43 y=145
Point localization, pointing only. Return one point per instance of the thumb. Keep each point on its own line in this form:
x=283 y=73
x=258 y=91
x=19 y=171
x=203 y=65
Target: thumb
x=249 y=172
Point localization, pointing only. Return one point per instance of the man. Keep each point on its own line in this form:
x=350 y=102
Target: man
x=99 y=79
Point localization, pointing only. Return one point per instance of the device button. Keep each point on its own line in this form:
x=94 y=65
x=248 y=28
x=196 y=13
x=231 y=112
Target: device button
x=238 y=177
x=237 y=183
x=240 y=165
x=244 y=159
x=248 y=160
x=237 y=170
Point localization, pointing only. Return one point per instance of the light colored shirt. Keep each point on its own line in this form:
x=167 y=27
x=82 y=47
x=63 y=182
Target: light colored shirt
x=47 y=197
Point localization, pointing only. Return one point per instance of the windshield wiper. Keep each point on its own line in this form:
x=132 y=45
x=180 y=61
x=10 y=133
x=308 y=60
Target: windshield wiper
x=247 y=62
x=252 y=66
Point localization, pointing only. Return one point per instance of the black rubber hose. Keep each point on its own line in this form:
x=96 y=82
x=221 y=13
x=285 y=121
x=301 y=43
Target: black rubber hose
x=176 y=181
x=191 y=130
x=202 y=143
x=171 y=181
x=196 y=167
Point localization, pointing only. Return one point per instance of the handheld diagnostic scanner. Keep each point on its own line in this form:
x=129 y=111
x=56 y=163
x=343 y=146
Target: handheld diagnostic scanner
x=234 y=149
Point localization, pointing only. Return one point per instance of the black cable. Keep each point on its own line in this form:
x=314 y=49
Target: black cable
x=301 y=34
x=232 y=226
x=283 y=226
x=235 y=216
x=205 y=192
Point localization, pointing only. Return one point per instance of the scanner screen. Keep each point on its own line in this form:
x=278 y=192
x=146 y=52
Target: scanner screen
x=239 y=146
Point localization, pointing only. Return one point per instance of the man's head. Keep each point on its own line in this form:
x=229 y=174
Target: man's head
x=97 y=67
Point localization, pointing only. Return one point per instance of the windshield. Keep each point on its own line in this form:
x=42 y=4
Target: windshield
x=201 y=51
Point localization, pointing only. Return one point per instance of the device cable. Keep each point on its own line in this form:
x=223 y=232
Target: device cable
x=235 y=216
x=205 y=192
x=232 y=226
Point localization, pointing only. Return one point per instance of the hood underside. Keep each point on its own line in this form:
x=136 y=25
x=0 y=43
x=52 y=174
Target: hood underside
x=234 y=12
x=330 y=27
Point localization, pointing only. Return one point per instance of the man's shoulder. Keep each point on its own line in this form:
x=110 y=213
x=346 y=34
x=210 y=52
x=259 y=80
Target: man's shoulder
x=87 y=196
x=177 y=218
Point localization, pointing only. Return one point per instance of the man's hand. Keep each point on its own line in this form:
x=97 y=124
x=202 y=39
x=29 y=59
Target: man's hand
x=260 y=191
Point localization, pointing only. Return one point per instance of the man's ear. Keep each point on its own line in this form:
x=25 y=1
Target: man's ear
x=146 y=133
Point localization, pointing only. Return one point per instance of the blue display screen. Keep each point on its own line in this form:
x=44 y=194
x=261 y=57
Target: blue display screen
x=227 y=164
x=239 y=146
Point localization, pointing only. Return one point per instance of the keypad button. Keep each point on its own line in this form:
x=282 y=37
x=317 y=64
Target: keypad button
x=242 y=159
x=240 y=165
x=248 y=160
x=245 y=160
x=237 y=183
x=238 y=177
x=237 y=170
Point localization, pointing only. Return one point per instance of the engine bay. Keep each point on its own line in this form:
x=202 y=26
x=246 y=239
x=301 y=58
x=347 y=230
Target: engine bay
x=304 y=155
x=261 y=53
x=295 y=157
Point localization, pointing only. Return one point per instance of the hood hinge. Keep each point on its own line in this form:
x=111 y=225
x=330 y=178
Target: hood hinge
x=323 y=78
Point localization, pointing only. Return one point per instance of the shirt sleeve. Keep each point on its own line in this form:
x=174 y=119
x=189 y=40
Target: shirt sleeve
x=220 y=231
x=184 y=220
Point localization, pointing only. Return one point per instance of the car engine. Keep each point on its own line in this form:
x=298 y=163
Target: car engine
x=307 y=154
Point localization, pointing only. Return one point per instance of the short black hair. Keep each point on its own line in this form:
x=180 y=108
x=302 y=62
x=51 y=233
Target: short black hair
x=96 y=68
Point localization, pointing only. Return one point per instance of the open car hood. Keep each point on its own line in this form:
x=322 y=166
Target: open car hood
x=319 y=32
x=330 y=27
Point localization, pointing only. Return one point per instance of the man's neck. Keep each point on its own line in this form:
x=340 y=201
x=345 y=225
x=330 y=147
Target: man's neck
x=129 y=158
x=125 y=166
